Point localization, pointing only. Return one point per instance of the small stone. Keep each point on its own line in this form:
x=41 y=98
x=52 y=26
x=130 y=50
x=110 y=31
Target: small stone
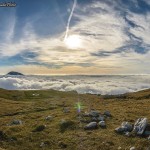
x=102 y=124
x=49 y=118
x=119 y=148
x=39 y=128
x=107 y=113
x=66 y=110
x=127 y=126
x=16 y=122
x=132 y=148
x=119 y=130
x=128 y=134
x=42 y=144
x=94 y=113
x=91 y=125
x=101 y=118
x=62 y=144
x=148 y=138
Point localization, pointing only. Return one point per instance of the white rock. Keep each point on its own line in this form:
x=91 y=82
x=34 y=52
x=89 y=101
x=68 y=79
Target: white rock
x=127 y=126
x=140 y=126
x=148 y=138
x=132 y=148
x=102 y=124
x=91 y=125
x=50 y=118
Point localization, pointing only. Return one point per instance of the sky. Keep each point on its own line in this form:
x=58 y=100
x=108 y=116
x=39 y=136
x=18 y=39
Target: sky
x=75 y=37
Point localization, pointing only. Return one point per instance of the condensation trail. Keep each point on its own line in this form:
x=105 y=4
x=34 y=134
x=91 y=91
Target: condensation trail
x=69 y=19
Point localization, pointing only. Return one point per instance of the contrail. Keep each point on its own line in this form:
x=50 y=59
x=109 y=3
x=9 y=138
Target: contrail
x=69 y=19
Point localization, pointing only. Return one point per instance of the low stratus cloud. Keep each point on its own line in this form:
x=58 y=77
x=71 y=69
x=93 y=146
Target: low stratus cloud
x=82 y=84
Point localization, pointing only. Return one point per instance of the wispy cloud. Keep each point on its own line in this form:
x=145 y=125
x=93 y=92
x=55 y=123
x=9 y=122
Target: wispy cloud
x=112 y=36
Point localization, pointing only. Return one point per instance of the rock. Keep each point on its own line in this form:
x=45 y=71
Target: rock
x=66 y=110
x=140 y=126
x=107 y=113
x=62 y=144
x=132 y=148
x=42 y=144
x=101 y=118
x=91 y=125
x=148 y=138
x=128 y=134
x=102 y=124
x=16 y=122
x=65 y=124
x=119 y=148
x=120 y=130
x=94 y=113
x=39 y=128
x=49 y=118
x=2 y=135
x=127 y=126
x=94 y=119
x=124 y=128
x=86 y=114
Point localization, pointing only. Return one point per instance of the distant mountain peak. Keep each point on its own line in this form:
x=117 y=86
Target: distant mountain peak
x=14 y=73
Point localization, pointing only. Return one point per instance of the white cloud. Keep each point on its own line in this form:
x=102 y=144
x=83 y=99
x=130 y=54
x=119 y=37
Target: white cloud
x=82 y=84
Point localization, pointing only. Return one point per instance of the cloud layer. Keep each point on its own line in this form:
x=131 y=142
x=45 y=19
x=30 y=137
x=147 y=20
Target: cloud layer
x=81 y=84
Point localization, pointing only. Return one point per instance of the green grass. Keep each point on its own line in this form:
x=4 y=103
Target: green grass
x=32 y=110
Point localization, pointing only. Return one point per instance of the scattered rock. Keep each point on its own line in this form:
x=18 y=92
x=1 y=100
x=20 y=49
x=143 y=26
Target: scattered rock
x=140 y=126
x=101 y=118
x=94 y=113
x=65 y=124
x=124 y=128
x=127 y=126
x=2 y=135
x=62 y=144
x=119 y=148
x=102 y=124
x=39 y=128
x=42 y=144
x=128 y=134
x=119 y=130
x=132 y=148
x=148 y=138
x=91 y=125
x=16 y=122
x=49 y=118
x=66 y=110
x=107 y=113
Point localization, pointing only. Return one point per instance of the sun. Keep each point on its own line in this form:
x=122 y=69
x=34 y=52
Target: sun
x=73 y=41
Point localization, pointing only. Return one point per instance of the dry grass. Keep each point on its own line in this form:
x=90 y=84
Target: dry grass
x=32 y=110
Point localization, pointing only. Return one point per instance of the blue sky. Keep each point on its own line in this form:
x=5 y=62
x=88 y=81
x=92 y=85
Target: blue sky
x=104 y=37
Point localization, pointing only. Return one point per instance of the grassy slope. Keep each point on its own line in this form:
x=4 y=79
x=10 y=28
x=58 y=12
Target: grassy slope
x=32 y=110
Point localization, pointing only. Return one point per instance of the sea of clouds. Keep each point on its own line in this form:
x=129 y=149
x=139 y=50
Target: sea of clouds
x=117 y=84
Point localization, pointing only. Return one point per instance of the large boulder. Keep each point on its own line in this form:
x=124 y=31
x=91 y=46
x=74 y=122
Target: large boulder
x=91 y=125
x=140 y=125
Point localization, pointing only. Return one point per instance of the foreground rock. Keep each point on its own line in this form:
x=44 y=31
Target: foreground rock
x=91 y=126
x=102 y=124
x=39 y=128
x=125 y=127
x=16 y=122
x=140 y=125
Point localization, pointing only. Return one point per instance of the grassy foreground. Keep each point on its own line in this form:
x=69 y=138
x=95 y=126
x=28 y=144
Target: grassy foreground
x=32 y=107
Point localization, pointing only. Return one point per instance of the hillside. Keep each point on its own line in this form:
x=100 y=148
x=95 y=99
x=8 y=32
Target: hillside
x=38 y=132
x=14 y=73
